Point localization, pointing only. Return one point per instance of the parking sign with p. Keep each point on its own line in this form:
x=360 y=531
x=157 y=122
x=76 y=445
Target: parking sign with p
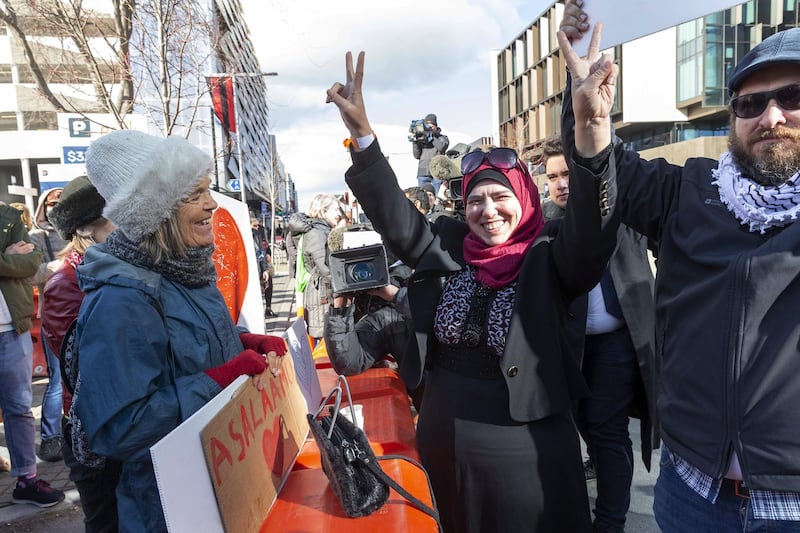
x=79 y=127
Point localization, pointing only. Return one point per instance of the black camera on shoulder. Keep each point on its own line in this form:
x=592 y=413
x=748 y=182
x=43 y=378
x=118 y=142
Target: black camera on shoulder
x=454 y=188
x=420 y=131
x=358 y=269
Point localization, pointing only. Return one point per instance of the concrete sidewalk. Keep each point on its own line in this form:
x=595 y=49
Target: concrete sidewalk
x=67 y=516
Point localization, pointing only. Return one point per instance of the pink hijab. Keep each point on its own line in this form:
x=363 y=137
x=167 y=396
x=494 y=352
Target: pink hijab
x=497 y=266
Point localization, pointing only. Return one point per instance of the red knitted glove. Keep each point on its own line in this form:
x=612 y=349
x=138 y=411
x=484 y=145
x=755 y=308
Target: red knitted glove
x=248 y=363
x=264 y=343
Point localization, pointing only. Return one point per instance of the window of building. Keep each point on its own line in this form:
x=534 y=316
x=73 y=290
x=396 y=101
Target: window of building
x=749 y=12
x=8 y=122
x=514 y=71
x=40 y=120
x=690 y=59
x=714 y=61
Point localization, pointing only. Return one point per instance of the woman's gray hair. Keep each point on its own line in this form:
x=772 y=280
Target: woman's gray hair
x=166 y=242
x=321 y=203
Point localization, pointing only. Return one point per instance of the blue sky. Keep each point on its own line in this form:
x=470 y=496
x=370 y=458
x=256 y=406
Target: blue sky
x=421 y=57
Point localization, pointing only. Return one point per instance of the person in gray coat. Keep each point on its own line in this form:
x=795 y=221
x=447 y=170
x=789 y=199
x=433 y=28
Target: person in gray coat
x=325 y=213
x=424 y=149
x=619 y=359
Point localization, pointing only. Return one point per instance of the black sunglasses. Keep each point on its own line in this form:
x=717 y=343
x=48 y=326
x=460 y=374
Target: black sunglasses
x=752 y=105
x=499 y=158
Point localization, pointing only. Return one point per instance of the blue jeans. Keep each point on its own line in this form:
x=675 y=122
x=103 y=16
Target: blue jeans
x=16 y=394
x=51 y=403
x=611 y=371
x=678 y=508
x=422 y=180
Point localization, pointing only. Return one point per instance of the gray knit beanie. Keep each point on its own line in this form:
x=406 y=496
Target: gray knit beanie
x=143 y=178
x=80 y=204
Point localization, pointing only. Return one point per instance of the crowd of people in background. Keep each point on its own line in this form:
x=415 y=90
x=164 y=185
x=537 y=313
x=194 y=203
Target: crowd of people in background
x=520 y=325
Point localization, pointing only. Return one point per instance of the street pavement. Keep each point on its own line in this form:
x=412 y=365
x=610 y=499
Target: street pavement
x=67 y=516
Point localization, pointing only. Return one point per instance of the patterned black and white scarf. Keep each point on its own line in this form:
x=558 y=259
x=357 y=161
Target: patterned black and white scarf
x=761 y=207
x=196 y=269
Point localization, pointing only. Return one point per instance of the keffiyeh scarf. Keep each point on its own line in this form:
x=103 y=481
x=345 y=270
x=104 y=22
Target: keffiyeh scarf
x=758 y=206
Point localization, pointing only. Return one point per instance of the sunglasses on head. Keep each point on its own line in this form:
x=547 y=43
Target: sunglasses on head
x=753 y=104
x=499 y=158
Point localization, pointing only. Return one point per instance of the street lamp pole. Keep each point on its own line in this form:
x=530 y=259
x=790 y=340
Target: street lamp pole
x=272 y=196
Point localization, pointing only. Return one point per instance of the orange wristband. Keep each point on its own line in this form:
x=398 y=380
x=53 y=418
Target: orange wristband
x=365 y=141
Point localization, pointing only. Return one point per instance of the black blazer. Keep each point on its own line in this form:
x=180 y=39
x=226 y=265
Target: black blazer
x=540 y=367
x=633 y=281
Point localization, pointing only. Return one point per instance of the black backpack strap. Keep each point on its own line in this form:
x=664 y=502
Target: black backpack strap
x=378 y=471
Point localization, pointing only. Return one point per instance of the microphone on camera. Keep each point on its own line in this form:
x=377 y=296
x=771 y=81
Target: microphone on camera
x=336 y=239
x=441 y=168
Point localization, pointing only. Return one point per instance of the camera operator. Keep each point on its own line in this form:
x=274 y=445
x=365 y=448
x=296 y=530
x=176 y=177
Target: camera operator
x=425 y=147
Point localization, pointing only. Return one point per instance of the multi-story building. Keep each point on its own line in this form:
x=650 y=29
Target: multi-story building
x=45 y=136
x=29 y=122
x=236 y=57
x=671 y=96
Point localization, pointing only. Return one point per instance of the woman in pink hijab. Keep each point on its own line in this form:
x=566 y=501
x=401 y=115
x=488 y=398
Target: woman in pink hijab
x=489 y=301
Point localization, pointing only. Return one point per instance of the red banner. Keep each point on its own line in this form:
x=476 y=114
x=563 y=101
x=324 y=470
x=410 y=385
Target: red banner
x=223 y=99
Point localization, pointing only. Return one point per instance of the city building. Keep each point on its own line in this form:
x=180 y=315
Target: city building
x=671 y=96
x=81 y=85
x=248 y=145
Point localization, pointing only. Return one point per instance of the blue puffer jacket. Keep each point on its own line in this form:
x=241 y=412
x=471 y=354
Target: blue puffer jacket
x=141 y=373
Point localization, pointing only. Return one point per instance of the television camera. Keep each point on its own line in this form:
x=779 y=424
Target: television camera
x=358 y=262
x=420 y=131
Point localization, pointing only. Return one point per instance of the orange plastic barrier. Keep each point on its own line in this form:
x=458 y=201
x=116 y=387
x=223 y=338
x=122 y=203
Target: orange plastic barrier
x=388 y=424
x=306 y=504
x=370 y=383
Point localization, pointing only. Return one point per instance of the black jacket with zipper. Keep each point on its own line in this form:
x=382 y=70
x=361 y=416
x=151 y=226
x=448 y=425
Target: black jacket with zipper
x=726 y=319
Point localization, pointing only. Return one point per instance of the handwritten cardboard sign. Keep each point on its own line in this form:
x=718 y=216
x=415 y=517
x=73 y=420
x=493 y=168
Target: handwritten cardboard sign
x=251 y=445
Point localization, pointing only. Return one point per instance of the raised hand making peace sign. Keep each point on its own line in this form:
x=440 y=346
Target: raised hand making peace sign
x=593 y=82
x=348 y=98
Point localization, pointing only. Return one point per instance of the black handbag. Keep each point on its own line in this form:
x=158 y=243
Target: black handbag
x=360 y=484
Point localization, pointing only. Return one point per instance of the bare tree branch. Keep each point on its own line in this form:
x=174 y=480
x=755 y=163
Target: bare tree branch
x=9 y=15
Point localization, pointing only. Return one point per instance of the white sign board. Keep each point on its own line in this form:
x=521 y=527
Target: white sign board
x=625 y=20
x=297 y=339
x=179 y=462
x=237 y=279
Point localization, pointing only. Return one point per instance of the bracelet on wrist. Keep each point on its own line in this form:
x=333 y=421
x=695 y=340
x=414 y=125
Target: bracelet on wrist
x=360 y=143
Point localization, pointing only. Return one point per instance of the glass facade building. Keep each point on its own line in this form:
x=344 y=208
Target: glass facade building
x=531 y=76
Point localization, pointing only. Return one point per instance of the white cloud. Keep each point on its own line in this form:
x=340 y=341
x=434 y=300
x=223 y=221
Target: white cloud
x=421 y=57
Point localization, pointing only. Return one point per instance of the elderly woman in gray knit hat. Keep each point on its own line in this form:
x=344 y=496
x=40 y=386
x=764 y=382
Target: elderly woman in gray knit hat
x=155 y=338
x=78 y=218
